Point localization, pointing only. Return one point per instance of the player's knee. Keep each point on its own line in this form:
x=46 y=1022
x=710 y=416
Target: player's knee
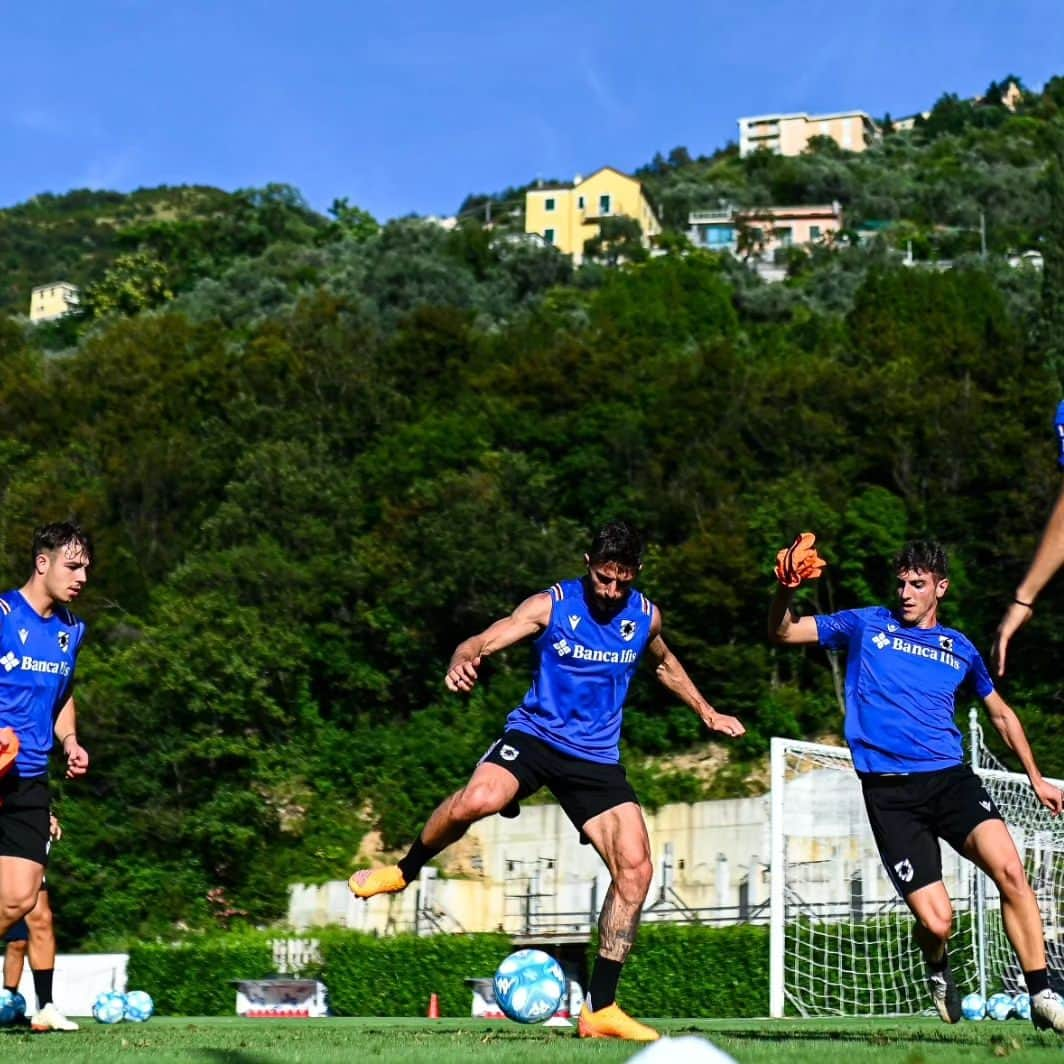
x=477 y=801
x=39 y=918
x=16 y=906
x=1011 y=879
x=633 y=878
x=939 y=924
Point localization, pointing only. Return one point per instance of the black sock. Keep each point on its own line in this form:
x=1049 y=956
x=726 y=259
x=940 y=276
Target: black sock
x=939 y=966
x=42 y=985
x=13 y=989
x=1036 y=981
x=603 y=990
x=417 y=857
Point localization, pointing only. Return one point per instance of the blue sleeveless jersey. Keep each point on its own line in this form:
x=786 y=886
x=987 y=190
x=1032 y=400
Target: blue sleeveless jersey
x=37 y=656
x=1059 y=427
x=582 y=674
x=901 y=687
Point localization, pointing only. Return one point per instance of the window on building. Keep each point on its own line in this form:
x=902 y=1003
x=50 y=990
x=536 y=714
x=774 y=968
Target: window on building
x=784 y=235
x=604 y=203
x=548 y=235
x=718 y=236
x=580 y=202
x=549 y=204
x=857 y=896
x=814 y=232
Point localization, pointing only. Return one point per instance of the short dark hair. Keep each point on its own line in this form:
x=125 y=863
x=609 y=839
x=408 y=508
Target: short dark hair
x=49 y=538
x=923 y=556
x=617 y=541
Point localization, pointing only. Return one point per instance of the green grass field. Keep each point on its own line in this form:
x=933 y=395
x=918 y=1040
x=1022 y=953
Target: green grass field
x=239 y=1041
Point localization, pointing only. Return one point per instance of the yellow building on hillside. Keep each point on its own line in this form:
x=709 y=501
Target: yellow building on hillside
x=568 y=215
x=51 y=301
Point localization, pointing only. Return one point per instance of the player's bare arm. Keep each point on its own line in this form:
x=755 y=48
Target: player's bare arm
x=783 y=626
x=673 y=676
x=1048 y=558
x=1008 y=726
x=528 y=620
x=66 y=731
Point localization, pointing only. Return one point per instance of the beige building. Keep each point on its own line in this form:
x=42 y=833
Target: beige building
x=790 y=134
x=568 y=215
x=51 y=301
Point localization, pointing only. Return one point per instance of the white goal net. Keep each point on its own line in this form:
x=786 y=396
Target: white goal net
x=841 y=942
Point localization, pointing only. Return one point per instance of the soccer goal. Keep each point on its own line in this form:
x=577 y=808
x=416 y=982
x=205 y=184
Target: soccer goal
x=841 y=941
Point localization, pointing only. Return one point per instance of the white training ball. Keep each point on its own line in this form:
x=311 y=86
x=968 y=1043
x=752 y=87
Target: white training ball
x=139 y=1006
x=529 y=986
x=999 y=1006
x=109 y=1007
x=1021 y=1006
x=973 y=1007
x=686 y=1050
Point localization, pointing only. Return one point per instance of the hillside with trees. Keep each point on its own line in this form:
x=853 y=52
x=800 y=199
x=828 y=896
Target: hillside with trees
x=316 y=451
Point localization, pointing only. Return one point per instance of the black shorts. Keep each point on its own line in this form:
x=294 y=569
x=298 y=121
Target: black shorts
x=583 y=788
x=17 y=932
x=910 y=813
x=24 y=808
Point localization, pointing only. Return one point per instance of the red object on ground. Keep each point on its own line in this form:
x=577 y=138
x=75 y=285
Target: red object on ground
x=269 y=1014
x=434 y=1007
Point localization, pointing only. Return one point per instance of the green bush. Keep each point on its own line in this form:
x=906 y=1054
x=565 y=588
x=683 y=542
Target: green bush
x=369 y=976
x=195 y=978
x=679 y=970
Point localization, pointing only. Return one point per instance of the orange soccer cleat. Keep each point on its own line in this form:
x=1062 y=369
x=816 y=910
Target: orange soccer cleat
x=614 y=1022
x=370 y=881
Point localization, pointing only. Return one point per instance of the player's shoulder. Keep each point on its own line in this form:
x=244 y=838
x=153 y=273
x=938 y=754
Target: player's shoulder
x=564 y=589
x=9 y=602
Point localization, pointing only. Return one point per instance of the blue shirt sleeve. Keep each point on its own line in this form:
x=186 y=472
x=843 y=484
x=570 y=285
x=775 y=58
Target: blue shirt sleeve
x=978 y=678
x=834 y=630
x=1059 y=429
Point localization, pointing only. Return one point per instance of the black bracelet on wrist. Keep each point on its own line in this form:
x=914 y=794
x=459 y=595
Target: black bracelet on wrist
x=1026 y=605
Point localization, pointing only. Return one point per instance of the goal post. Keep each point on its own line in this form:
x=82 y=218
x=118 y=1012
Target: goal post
x=840 y=937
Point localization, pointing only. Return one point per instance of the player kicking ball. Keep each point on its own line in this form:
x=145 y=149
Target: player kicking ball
x=588 y=636
x=902 y=675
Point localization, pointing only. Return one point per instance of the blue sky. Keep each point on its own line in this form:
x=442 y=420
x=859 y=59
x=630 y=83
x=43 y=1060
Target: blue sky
x=405 y=108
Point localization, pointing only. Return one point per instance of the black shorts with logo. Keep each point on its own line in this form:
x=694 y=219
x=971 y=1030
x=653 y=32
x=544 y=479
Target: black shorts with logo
x=24 y=808
x=910 y=813
x=583 y=788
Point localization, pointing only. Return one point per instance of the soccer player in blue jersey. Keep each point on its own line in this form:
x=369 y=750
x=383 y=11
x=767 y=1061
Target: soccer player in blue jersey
x=39 y=642
x=902 y=675
x=1048 y=558
x=589 y=635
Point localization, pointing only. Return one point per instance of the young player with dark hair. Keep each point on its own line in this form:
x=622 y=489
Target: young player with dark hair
x=589 y=635
x=903 y=672
x=39 y=643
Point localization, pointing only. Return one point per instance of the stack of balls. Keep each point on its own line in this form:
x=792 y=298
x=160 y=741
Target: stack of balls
x=113 y=1007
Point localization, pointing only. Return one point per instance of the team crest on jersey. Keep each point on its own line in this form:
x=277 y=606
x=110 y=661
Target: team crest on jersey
x=628 y=630
x=946 y=642
x=904 y=870
x=23 y=634
x=64 y=641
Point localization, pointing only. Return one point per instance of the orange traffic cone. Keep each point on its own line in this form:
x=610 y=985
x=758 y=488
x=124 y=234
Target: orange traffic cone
x=434 y=1007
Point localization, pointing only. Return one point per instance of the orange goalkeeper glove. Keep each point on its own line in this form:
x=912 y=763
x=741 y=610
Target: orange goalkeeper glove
x=799 y=561
x=8 y=749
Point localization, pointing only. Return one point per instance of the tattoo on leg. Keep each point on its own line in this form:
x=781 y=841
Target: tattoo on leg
x=618 y=924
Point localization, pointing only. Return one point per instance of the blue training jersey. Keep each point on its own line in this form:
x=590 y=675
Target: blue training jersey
x=37 y=656
x=1059 y=426
x=582 y=674
x=901 y=686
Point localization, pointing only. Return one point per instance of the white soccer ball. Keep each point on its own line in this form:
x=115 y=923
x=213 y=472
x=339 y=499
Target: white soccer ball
x=973 y=1007
x=139 y=1006
x=8 y=1007
x=685 y=1050
x=999 y=1006
x=1021 y=1006
x=109 y=1007
x=529 y=986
